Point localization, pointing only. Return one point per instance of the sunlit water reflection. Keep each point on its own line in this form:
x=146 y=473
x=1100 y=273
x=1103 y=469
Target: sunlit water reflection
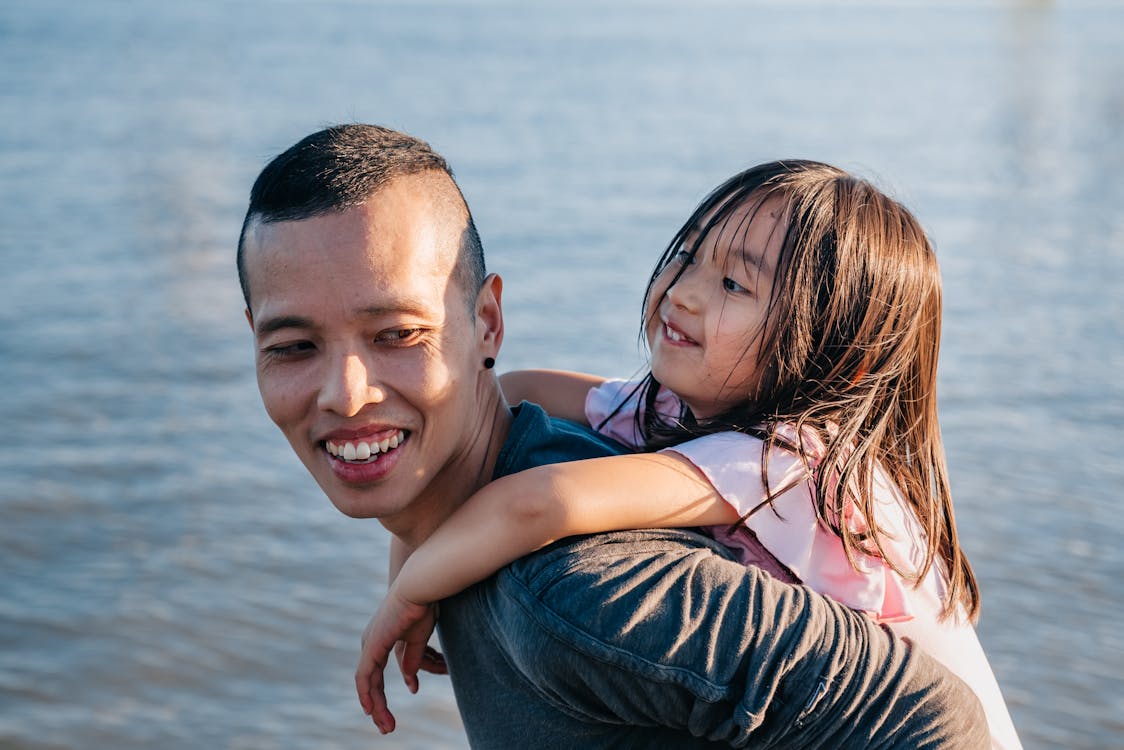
x=172 y=578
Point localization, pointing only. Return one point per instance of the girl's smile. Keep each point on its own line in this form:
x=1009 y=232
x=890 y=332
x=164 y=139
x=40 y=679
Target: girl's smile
x=675 y=336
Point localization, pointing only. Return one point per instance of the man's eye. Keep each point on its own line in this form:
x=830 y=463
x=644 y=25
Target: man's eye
x=398 y=336
x=290 y=351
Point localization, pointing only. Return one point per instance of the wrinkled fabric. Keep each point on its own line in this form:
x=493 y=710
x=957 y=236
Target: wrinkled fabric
x=660 y=639
x=788 y=540
x=789 y=529
x=657 y=639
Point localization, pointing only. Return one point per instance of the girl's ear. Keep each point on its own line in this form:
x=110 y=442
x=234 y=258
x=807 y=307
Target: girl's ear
x=489 y=317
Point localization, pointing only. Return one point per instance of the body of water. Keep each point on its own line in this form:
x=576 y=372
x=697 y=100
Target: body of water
x=170 y=576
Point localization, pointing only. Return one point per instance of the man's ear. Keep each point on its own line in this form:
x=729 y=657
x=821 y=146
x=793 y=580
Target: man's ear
x=250 y=318
x=489 y=317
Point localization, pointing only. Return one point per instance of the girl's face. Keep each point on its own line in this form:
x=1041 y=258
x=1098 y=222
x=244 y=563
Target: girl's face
x=704 y=329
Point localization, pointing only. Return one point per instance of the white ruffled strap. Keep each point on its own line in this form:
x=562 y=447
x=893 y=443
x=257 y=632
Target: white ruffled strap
x=790 y=529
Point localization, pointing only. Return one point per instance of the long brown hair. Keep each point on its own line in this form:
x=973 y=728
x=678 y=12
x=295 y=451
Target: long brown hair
x=848 y=354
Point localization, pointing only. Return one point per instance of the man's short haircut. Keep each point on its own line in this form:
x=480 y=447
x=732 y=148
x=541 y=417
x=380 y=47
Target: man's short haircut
x=341 y=167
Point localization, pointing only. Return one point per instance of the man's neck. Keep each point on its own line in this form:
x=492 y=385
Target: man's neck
x=470 y=470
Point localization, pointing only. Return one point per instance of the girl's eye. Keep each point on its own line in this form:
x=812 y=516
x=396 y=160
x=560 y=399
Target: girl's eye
x=398 y=336
x=732 y=286
x=683 y=258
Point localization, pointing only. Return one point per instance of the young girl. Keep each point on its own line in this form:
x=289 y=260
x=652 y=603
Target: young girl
x=793 y=324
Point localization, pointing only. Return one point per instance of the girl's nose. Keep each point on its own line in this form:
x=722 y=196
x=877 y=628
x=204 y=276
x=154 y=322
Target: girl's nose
x=684 y=293
x=349 y=387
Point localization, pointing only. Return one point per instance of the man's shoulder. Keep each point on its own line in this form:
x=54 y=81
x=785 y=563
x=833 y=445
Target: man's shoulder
x=596 y=554
x=624 y=601
x=537 y=439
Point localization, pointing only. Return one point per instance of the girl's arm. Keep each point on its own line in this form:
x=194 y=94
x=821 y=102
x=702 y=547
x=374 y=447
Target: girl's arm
x=518 y=514
x=399 y=552
x=559 y=392
x=432 y=660
x=412 y=649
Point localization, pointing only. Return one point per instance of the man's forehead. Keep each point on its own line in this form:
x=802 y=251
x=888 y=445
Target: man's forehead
x=357 y=262
x=411 y=203
x=321 y=298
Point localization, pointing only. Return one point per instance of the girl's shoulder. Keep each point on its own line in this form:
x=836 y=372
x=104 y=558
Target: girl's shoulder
x=773 y=491
x=615 y=408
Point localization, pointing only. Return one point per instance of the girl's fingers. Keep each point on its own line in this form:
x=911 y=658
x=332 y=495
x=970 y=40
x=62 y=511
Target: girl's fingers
x=369 y=687
x=363 y=684
x=383 y=719
x=433 y=661
x=373 y=698
x=409 y=662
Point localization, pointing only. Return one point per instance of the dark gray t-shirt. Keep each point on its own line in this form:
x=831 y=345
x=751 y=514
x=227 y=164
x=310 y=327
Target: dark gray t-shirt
x=500 y=704
x=660 y=639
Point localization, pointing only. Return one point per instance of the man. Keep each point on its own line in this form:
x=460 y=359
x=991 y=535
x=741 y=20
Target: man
x=376 y=331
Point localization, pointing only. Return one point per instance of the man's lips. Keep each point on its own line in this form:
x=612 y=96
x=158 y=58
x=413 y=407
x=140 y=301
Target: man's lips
x=364 y=457
x=364 y=449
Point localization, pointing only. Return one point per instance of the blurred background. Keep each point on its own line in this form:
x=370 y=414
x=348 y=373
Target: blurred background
x=171 y=577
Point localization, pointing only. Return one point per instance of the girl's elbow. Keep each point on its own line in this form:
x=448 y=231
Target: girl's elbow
x=537 y=507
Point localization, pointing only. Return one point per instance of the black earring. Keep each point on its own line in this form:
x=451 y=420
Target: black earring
x=489 y=363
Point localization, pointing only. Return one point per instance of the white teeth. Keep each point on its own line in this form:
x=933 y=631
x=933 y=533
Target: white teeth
x=362 y=451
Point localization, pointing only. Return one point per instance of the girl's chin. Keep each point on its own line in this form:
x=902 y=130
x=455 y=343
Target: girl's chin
x=669 y=370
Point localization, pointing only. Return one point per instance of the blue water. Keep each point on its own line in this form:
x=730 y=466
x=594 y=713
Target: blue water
x=170 y=577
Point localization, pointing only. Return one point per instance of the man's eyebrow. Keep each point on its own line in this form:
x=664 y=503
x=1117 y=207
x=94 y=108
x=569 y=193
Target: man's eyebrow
x=398 y=308
x=282 y=321
x=269 y=325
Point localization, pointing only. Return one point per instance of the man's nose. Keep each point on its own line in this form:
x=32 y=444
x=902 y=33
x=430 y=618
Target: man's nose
x=350 y=386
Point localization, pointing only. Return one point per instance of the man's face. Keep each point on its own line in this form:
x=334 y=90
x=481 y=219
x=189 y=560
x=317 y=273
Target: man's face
x=367 y=351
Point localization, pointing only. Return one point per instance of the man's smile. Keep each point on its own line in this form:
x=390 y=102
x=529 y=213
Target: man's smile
x=364 y=450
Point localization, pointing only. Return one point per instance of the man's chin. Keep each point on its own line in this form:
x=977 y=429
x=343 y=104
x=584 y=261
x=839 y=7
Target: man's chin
x=365 y=502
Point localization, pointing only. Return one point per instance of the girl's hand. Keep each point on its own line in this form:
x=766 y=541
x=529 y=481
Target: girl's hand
x=396 y=620
x=413 y=652
x=432 y=660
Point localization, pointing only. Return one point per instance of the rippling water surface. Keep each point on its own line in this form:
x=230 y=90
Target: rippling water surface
x=170 y=577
